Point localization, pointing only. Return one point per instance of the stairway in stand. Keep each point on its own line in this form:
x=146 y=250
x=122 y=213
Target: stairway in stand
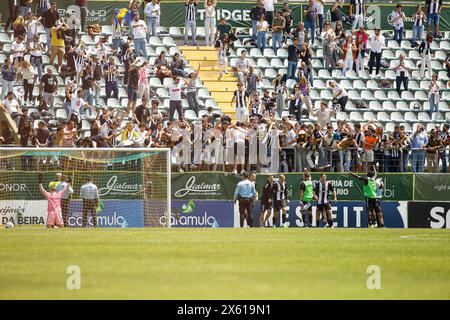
x=221 y=90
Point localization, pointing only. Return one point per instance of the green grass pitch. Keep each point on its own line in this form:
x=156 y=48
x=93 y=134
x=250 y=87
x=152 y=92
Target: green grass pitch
x=224 y=263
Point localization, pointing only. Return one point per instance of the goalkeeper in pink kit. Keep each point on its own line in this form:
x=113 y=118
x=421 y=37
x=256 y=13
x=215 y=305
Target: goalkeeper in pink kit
x=54 y=217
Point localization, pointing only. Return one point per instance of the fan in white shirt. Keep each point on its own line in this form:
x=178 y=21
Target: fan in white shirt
x=17 y=48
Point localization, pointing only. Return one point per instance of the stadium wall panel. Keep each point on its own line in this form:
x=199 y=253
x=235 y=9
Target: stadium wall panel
x=110 y=214
x=347 y=214
x=435 y=215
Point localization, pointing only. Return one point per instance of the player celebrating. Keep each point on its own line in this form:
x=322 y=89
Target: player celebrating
x=280 y=201
x=266 y=201
x=54 y=217
x=370 y=193
x=306 y=197
x=322 y=190
x=63 y=181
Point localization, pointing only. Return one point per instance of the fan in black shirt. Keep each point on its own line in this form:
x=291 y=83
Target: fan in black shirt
x=142 y=114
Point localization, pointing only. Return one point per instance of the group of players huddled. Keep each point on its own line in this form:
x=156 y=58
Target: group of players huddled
x=275 y=196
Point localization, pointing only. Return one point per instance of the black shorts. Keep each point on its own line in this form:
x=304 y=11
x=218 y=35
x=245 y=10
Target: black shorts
x=266 y=205
x=379 y=204
x=305 y=206
x=373 y=204
x=279 y=204
x=324 y=206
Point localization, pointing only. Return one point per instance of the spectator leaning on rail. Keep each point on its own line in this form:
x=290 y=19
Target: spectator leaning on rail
x=418 y=142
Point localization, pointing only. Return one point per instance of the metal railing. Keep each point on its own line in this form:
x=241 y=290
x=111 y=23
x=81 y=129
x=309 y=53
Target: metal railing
x=357 y=159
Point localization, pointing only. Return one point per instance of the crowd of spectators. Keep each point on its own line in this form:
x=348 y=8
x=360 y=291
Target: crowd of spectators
x=305 y=138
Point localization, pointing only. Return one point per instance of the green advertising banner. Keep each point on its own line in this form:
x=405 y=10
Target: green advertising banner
x=221 y=186
x=398 y=187
x=204 y=185
x=24 y=185
x=237 y=12
x=432 y=187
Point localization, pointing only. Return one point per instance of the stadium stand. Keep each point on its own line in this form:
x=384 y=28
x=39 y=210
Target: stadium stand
x=355 y=97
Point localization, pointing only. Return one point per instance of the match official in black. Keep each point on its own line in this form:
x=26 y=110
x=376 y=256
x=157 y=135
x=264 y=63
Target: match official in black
x=245 y=194
x=268 y=195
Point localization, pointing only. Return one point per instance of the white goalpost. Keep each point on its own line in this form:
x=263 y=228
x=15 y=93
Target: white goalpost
x=134 y=185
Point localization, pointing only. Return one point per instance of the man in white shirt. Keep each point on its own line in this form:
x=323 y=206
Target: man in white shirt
x=269 y=6
x=402 y=74
x=175 y=99
x=18 y=50
x=376 y=43
x=152 y=10
x=70 y=133
x=340 y=96
x=139 y=29
x=291 y=141
x=237 y=152
x=181 y=135
x=242 y=65
x=398 y=18
x=324 y=114
x=12 y=107
x=77 y=104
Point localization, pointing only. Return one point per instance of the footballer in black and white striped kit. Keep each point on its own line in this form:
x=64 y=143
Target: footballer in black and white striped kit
x=322 y=191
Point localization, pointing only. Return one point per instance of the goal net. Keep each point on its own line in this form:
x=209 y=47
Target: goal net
x=133 y=186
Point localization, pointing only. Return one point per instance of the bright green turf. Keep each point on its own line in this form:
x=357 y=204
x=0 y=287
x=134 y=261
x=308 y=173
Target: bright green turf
x=225 y=263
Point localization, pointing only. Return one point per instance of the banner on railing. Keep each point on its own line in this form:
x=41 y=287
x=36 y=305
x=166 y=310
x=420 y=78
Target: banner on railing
x=204 y=185
x=24 y=185
x=112 y=185
x=236 y=12
x=432 y=187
